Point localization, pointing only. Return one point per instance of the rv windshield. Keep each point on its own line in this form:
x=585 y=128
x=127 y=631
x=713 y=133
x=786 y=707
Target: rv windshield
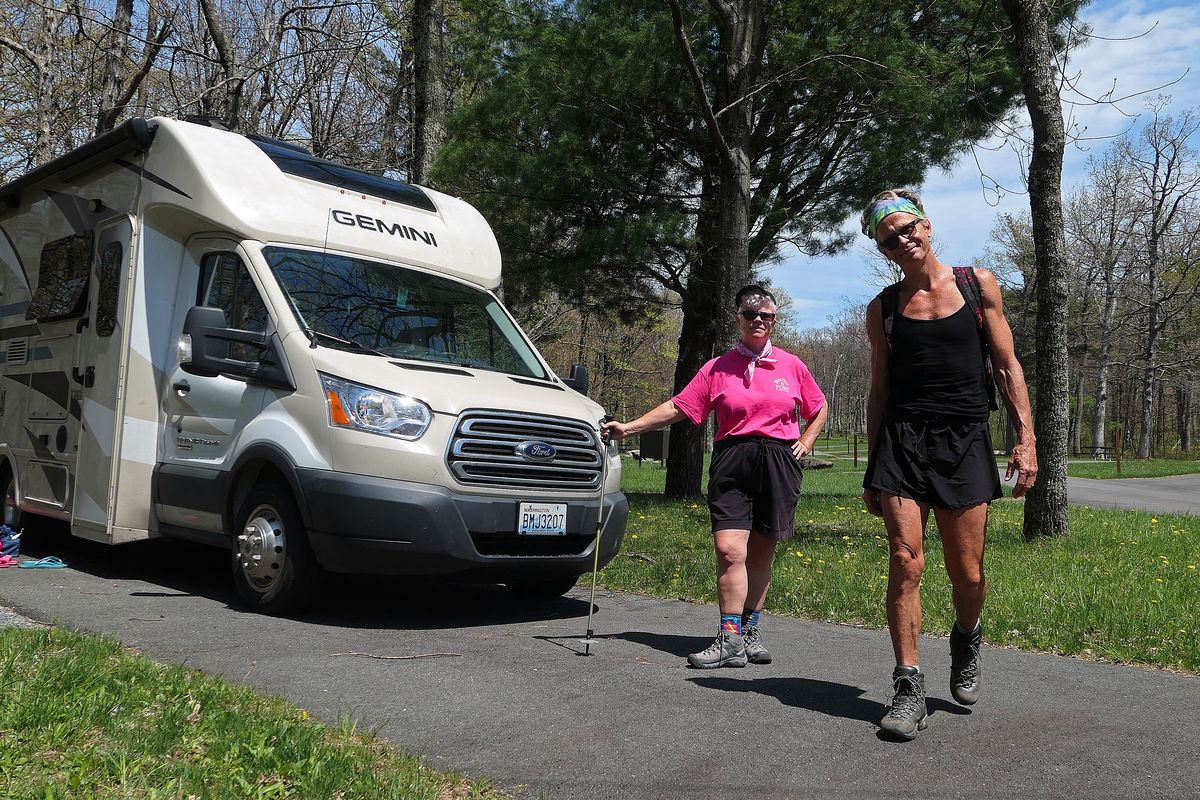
x=365 y=305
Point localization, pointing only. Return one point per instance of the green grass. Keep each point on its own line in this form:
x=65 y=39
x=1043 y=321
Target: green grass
x=1123 y=586
x=1133 y=468
x=82 y=717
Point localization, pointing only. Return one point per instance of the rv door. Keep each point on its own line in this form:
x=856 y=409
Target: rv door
x=203 y=415
x=96 y=378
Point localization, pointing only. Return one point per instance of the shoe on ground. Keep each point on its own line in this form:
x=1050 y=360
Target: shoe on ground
x=729 y=650
x=964 y=664
x=756 y=653
x=907 y=714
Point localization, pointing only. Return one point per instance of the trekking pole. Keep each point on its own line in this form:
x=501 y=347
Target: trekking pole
x=587 y=642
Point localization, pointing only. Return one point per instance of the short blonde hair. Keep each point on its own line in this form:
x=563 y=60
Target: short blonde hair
x=864 y=218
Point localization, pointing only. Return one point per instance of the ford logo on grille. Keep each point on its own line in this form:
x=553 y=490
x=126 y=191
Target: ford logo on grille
x=536 y=451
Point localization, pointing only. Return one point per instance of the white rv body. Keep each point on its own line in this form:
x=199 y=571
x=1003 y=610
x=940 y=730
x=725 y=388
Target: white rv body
x=109 y=422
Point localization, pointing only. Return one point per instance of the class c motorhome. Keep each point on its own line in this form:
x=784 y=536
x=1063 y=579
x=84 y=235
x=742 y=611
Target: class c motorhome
x=222 y=338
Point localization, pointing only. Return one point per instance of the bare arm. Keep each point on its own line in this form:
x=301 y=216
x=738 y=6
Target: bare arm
x=878 y=393
x=660 y=417
x=808 y=440
x=1010 y=380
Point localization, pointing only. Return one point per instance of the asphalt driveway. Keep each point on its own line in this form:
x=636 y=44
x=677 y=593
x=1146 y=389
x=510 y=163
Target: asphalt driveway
x=1178 y=494
x=497 y=689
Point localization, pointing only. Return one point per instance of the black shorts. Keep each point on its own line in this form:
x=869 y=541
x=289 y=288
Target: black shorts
x=753 y=484
x=945 y=463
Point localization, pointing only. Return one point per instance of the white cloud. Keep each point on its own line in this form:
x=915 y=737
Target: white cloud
x=964 y=212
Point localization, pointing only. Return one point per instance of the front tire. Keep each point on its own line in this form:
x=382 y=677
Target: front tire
x=274 y=569
x=542 y=591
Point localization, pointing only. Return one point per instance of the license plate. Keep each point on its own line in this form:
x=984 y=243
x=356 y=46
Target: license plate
x=542 y=519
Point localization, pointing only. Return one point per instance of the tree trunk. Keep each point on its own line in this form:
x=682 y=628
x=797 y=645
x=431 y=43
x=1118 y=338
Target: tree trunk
x=1105 y=360
x=685 y=451
x=429 y=92
x=116 y=53
x=1183 y=414
x=1076 y=441
x=1046 y=504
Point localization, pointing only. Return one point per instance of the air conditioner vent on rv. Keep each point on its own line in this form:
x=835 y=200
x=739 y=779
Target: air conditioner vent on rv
x=18 y=351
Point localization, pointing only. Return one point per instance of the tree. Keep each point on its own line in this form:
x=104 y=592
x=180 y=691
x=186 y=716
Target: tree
x=429 y=89
x=1046 y=505
x=641 y=138
x=1166 y=181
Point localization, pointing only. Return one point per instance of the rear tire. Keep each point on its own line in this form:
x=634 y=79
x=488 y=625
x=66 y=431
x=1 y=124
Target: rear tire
x=274 y=568
x=13 y=516
x=542 y=591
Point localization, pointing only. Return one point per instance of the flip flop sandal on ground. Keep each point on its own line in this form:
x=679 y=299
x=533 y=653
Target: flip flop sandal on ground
x=49 y=562
x=7 y=561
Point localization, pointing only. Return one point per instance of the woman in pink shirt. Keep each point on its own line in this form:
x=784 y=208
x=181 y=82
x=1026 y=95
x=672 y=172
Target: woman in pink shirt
x=759 y=393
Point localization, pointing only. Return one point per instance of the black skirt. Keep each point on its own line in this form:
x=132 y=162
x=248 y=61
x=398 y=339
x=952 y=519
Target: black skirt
x=753 y=484
x=944 y=463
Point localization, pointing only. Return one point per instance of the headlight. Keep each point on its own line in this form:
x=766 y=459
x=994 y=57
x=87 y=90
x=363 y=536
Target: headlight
x=352 y=405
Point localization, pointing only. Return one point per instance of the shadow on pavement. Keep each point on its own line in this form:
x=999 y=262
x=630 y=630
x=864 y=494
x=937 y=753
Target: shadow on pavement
x=671 y=643
x=823 y=697
x=186 y=569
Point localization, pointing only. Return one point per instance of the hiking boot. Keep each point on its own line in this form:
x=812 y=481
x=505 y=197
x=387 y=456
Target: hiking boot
x=756 y=653
x=729 y=650
x=964 y=664
x=907 y=714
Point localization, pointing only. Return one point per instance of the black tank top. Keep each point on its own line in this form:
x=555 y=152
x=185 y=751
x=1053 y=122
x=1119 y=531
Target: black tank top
x=936 y=368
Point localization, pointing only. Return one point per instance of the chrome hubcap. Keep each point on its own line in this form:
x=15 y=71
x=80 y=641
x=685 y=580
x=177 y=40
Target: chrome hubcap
x=261 y=547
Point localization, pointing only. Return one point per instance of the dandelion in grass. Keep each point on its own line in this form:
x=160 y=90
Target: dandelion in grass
x=633 y=536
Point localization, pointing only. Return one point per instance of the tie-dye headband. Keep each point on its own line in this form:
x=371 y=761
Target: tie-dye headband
x=887 y=207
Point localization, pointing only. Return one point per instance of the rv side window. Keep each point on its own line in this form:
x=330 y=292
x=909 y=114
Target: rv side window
x=110 y=286
x=228 y=286
x=62 y=279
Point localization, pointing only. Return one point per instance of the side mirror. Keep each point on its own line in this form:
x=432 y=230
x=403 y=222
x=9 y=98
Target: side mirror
x=579 y=379
x=205 y=329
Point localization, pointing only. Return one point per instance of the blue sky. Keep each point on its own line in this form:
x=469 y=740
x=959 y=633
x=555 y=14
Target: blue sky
x=964 y=210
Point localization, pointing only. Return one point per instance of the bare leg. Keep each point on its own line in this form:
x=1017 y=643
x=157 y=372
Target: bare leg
x=732 y=582
x=905 y=521
x=963 y=532
x=760 y=555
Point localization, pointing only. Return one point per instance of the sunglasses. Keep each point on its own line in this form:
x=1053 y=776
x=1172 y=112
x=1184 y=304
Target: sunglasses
x=893 y=241
x=750 y=316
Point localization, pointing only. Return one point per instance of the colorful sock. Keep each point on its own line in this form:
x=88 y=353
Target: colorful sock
x=750 y=618
x=731 y=623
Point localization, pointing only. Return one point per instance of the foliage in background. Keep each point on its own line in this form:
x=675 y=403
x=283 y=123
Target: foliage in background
x=1133 y=250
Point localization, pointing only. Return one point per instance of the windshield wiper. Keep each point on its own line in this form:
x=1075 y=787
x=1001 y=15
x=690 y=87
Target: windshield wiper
x=346 y=344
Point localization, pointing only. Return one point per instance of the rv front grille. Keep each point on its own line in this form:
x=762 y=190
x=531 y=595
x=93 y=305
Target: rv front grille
x=503 y=448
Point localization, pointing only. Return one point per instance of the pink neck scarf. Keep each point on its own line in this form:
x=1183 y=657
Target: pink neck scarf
x=755 y=358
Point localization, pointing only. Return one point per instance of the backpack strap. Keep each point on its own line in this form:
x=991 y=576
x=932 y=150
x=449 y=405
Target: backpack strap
x=889 y=303
x=968 y=286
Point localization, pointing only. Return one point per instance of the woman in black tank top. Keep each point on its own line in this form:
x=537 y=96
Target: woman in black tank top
x=930 y=449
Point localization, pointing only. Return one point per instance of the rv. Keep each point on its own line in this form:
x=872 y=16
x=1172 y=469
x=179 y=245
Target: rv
x=223 y=338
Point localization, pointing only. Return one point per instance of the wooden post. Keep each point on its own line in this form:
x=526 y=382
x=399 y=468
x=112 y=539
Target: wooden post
x=855 y=451
x=1117 y=446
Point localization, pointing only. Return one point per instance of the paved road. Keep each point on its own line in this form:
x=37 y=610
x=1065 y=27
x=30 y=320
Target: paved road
x=1179 y=494
x=517 y=702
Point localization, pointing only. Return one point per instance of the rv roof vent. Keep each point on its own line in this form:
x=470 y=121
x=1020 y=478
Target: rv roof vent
x=18 y=351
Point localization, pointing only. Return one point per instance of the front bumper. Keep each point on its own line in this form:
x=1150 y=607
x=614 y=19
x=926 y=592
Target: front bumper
x=364 y=524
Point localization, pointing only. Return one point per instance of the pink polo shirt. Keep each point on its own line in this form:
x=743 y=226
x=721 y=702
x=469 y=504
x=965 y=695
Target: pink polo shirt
x=767 y=407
